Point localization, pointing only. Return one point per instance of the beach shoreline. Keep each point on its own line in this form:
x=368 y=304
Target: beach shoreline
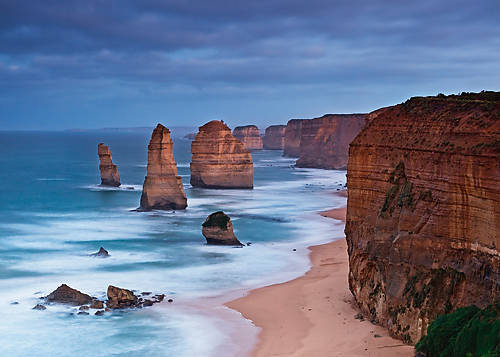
x=314 y=314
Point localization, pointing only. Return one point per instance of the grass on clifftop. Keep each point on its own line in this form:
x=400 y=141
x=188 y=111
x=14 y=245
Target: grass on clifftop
x=467 y=332
x=217 y=219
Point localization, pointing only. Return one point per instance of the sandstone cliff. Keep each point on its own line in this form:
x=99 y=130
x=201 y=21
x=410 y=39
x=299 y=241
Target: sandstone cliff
x=109 y=171
x=249 y=135
x=324 y=142
x=162 y=188
x=219 y=160
x=423 y=212
x=274 y=138
x=293 y=132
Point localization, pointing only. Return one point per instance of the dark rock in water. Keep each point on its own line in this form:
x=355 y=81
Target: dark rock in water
x=99 y=313
x=160 y=297
x=218 y=230
x=146 y=293
x=83 y=307
x=97 y=304
x=103 y=253
x=249 y=244
x=107 y=309
x=129 y=188
x=119 y=298
x=294 y=249
x=39 y=307
x=170 y=300
x=148 y=303
x=66 y=295
x=14 y=303
x=83 y=313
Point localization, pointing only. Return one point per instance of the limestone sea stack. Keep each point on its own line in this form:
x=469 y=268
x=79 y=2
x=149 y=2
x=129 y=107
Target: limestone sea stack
x=324 y=142
x=423 y=210
x=293 y=133
x=162 y=188
x=274 y=138
x=249 y=135
x=109 y=171
x=219 y=159
x=218 y=230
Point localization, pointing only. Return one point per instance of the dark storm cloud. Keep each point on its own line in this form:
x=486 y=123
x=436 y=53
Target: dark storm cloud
x=186 y=49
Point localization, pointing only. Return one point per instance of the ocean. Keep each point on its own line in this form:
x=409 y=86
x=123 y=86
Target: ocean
x=53 y=214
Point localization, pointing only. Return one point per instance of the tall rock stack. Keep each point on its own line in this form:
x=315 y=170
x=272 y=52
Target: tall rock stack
x=162 y=187
x=324 y=142
x=109 y=171
x=293 y=133
x=274 y=138
x=219 y=159
x=423 y=212
x=249 y=135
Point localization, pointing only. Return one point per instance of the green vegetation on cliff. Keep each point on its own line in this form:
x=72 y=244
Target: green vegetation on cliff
x=217 y=219
x=467 y=332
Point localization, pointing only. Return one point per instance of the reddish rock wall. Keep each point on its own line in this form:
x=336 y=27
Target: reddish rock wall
x=109 y=171
x=293 y=132
x=274 y=139
x=220 y=160
x=423 y=212
x=162 y=187
x=249 y=135
x=324 y=142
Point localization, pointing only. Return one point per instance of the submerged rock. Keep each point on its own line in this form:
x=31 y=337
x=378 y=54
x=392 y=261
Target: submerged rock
x=218 y=230
x=102 y=253
x=162 y=188
x=66 y=295
x=119 y=298
x=109 y=171
x=39 y=307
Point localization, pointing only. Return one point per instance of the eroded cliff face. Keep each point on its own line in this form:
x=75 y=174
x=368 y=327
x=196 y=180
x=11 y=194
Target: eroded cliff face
x=162 y=188
x=249 y=135
x=324 y=142
x=423 y=212
x=109 y=171
x=293 y=133
x=219 y=159
x=274 y=138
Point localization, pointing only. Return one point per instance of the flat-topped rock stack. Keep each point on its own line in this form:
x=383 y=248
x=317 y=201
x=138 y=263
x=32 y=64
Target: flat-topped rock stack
x=324 y=141
x=293 y=132
x=162 y=188
x=219 y=159
x=109 y=171
x=249 y=135
x=274 y=138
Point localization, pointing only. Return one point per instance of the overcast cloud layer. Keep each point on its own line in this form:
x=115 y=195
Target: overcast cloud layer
x=90 y=64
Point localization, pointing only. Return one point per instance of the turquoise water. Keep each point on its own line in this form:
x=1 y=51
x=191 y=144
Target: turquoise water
x=53 y=214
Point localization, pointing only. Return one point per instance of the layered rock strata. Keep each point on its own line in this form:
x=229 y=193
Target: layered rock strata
x=109 y=171
x=293 y=132
x=324 y=142
x=218 y=230
x=249 y=135
x=274 y=138
x=219 y=159
x=162 y=188
x=423 y=212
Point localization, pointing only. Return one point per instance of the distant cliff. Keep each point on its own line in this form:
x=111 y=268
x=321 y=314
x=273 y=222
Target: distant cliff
x=249 y=135
x=324 y=142
x=274 y=138
x=293 y=132
x=423 y=212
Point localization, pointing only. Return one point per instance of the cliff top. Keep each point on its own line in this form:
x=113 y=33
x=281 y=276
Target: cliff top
x=251 y=126
x=276 y=126
x=214 y=125
x=465 y=123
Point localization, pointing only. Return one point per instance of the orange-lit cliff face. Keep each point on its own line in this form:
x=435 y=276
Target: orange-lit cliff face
x=109 y=171
x=293 y=132
x=274 y=138
x=220 y=160
x=324 y=142
x=249 y=135
x=423 y=213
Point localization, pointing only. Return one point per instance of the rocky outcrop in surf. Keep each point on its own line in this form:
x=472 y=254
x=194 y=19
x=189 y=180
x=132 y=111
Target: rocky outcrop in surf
x=218 y=230
x=274 y=138
x=109 y=171
x=249 y=135
x=220 y=160
x=162 y=188
x=324 y=141
x=423 y=210
x=293 y=133
x=66 y=295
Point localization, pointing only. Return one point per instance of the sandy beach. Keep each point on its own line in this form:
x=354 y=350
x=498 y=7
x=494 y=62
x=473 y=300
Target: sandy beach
x=314 y=315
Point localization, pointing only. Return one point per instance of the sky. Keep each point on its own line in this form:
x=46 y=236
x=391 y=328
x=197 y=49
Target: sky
x=124 y=63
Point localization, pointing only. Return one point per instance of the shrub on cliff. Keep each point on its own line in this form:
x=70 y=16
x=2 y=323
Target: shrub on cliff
x=467 y=332
x=217 y=219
